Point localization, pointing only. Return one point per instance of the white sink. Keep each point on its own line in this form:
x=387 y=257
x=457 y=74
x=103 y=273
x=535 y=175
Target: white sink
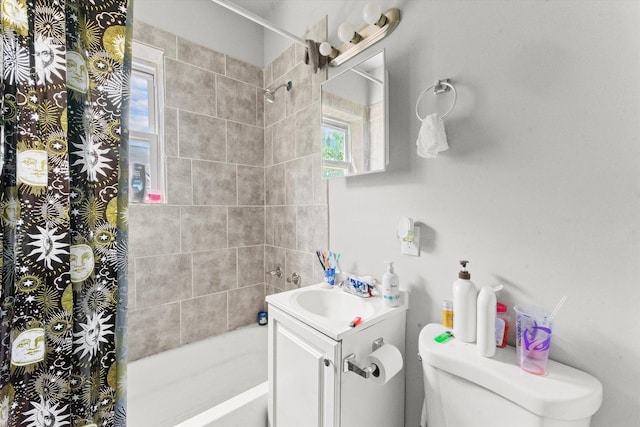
x=334 y=305
x=331 y=311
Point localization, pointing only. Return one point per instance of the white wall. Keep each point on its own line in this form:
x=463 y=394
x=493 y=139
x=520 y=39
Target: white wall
x=207 y=24
x=541 y=186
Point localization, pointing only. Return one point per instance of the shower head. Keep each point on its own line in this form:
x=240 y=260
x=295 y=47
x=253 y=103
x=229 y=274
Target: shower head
x=270 y=94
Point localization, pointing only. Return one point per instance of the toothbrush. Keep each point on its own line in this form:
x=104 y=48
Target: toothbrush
x=320 y=256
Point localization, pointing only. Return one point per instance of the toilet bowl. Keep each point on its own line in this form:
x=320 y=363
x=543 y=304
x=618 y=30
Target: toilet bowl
x=464 y=389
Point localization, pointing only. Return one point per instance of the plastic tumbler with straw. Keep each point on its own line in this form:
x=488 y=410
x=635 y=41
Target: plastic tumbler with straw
x=533 y=336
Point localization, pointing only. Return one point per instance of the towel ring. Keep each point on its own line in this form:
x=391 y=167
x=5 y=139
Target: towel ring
x=439 y=87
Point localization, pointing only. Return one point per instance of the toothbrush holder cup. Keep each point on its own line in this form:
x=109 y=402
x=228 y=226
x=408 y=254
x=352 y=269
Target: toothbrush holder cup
x=330 y=276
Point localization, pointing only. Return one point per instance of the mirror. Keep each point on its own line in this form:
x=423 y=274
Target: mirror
x=355 y=120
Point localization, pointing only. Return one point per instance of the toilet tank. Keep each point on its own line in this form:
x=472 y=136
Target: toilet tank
x=464 y=389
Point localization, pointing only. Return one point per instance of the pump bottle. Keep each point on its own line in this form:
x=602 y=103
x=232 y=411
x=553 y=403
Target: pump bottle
x=486 y=333
x=390 y=286
x=465 y=296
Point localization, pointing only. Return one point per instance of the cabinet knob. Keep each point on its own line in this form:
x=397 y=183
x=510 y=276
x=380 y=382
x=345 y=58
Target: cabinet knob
x=327 y=362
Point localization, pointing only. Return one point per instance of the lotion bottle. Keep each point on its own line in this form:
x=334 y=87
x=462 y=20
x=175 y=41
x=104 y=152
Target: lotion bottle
x=486 y=333
x=390 y=286
x=465 y=296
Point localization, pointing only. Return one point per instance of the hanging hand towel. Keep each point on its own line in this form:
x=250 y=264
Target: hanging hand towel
x=432 y=138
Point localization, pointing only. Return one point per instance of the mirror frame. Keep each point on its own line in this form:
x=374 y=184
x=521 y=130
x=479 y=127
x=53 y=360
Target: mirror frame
x=365 y=134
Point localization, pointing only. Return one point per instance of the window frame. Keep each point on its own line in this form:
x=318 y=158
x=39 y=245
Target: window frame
x=148 y=62
x=345 y=128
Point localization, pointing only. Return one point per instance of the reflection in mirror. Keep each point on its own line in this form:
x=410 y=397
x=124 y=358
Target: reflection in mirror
x=354 y=120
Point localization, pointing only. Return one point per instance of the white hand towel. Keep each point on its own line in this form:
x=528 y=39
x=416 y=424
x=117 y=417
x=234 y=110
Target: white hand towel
x=432 y=138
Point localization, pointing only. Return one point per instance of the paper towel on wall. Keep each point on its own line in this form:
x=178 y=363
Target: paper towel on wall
x=389 y=361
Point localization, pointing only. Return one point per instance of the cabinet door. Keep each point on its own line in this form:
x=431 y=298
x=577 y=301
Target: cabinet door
x=302 y=374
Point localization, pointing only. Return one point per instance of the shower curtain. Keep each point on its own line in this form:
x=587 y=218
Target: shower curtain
x=63 y=201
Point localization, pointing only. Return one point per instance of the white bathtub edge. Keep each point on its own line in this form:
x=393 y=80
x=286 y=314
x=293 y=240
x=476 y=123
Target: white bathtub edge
x=225 y=408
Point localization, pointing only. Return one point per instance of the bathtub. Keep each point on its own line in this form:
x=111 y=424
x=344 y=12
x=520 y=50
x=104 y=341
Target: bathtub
x=217 y=382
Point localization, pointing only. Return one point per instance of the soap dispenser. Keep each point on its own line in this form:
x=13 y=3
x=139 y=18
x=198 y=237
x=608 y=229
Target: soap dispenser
x=390 y=286
x=465 y=296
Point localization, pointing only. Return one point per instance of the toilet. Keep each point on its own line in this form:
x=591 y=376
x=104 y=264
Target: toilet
x=464 y=389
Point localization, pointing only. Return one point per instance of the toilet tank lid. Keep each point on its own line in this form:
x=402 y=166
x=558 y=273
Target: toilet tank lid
x=564 y=393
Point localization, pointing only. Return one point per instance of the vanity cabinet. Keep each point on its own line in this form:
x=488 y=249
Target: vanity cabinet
x=308 y=385
x=303 y=386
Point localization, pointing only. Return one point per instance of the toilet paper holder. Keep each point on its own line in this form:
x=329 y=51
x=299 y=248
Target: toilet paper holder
x=350 y=364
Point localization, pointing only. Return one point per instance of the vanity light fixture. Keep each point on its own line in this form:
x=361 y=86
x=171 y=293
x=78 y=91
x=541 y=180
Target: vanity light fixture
x=347 y=33
x=327 y=50
x=372 y=14
x=378 y=26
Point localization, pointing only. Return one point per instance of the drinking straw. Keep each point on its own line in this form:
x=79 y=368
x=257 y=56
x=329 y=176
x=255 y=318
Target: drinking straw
x=557 y=307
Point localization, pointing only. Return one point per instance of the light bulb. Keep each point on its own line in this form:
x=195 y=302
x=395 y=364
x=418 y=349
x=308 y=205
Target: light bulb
x=347 y=33
x=371 y=13
x=326 y=49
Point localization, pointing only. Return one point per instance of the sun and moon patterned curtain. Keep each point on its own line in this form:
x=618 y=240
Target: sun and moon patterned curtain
x=63 y=202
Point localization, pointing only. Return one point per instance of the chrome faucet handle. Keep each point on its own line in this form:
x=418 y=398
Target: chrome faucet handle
x=277 y=272
x=295 y=279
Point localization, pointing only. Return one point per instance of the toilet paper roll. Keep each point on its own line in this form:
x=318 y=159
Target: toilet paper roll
x=388 y=359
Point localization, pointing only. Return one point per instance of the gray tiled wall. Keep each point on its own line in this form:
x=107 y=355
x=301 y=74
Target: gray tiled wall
x=295 y=195
x=198 y=262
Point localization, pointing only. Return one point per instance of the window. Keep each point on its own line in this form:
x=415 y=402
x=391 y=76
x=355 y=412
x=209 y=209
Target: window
x=146 y=149
x=336 y=153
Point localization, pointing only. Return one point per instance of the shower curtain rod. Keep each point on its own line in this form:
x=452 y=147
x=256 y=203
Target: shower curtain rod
x=259 y=20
